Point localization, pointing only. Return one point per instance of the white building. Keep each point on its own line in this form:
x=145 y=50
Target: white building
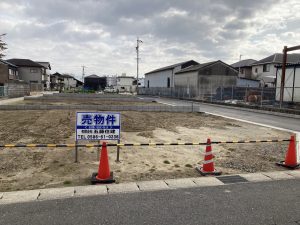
x=111 y=81
x=125 y=84
x=291 y=84
x=164 y=77
x=265 y=69
x=141 y=82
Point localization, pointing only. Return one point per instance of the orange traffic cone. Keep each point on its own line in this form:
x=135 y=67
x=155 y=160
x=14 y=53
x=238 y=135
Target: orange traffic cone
x=208 y=167
x=104 y=175
x=291 y=156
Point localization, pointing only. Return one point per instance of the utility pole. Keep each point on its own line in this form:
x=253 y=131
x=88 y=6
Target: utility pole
x=240 y=65
x=284 y=59
x=138 y=41
x=83 y=73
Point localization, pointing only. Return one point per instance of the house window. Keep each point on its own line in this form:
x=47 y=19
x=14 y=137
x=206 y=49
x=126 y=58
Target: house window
x=33 y=70
x=266 y=68
x=148 y=84
x=10 y=72
x=255 y=70
x=242 y=71
x=168 y=82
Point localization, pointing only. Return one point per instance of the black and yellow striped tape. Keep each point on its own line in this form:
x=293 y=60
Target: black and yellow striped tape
x=133 y=144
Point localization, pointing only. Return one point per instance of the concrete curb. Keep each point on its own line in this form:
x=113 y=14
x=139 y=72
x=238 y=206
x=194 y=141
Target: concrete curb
x=269 y=112
x=135 y=187
x=289 y=115
x=146 y=108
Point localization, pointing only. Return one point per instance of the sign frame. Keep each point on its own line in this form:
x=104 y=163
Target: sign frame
x=102 y=139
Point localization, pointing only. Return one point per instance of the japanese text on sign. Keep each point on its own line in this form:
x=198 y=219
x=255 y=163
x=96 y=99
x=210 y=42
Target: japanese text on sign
x=98 y=126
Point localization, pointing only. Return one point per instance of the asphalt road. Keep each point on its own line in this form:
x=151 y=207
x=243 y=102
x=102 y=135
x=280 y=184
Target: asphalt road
x=267 y=119
x=266 y=203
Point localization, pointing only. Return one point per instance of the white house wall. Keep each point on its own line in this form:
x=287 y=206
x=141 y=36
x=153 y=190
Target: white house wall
x=260 y=74
x=288 y=90
x=158 y=79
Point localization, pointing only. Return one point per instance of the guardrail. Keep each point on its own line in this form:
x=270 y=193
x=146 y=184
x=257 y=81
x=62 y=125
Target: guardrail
x=132 y=144
x=118 y=145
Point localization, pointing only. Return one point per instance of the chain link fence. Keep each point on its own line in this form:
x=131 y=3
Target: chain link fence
x=255 y=96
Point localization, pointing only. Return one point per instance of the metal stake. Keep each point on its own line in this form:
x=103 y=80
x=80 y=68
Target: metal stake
x=76 y=152
x=118 y=152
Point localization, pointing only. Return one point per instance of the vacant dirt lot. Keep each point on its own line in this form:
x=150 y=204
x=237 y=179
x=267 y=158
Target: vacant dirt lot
x=39 y=168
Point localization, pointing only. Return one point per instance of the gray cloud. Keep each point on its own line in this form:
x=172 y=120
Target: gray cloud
x=101 y=33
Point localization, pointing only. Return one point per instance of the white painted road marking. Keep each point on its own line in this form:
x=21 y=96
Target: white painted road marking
x=247 y=121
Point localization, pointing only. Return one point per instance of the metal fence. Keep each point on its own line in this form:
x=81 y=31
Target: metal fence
x=233 y=94
x=3 y=91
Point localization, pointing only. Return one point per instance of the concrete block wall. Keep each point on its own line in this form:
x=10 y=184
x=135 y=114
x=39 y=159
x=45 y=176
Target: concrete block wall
x=81 y=99
x=17 y=89
x=99 y=108
x=80 y=95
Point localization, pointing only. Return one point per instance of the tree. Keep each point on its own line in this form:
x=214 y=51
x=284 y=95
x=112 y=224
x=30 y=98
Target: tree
x=2 y=46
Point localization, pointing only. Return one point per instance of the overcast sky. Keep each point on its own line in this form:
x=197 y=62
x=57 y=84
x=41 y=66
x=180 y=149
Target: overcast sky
x=101 y=34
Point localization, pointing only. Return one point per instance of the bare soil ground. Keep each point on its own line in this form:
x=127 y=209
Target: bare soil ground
x=25 y=168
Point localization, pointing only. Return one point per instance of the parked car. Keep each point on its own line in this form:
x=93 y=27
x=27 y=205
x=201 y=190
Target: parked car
x=110 y=90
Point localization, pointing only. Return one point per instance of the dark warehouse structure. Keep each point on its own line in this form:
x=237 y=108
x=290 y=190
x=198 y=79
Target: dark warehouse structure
x=94 y=82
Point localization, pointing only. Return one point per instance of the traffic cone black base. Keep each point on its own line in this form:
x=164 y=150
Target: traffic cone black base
x=204 y=173
x=109 y=180
x=282 y=163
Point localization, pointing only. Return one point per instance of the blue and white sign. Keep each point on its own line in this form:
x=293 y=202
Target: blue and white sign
x=98 y=126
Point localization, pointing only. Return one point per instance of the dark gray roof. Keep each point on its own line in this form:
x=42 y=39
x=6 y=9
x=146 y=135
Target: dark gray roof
x=126 y=77
x=243 y=63
x=92 y=76
x=200 y=66
x=8 y=63
x=277 y=58
x=45 y=64
x=171 y=66
x=24 y=63
x=196 y=67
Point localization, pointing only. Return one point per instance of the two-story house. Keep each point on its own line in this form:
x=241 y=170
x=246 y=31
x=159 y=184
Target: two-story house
x=244 y=67
x=46 y=74
x=31 y=72
x=8 y=72
x=125 y=84
x=265 y=70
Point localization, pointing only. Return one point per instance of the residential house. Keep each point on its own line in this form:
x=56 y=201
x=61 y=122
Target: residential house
x=64 y=82
x=291 y=93
x=8 y=71
x=125 y=84
x=30 y=72
x=265 y=69
x=46 y=74
x=69 y=82
x=56 y=82
x=10 y=84
x=111 y=81
x=94 y=82
x=141 y=82
x=164 y=77
x=244 y=67
x=79 y=84
x=203 y=79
